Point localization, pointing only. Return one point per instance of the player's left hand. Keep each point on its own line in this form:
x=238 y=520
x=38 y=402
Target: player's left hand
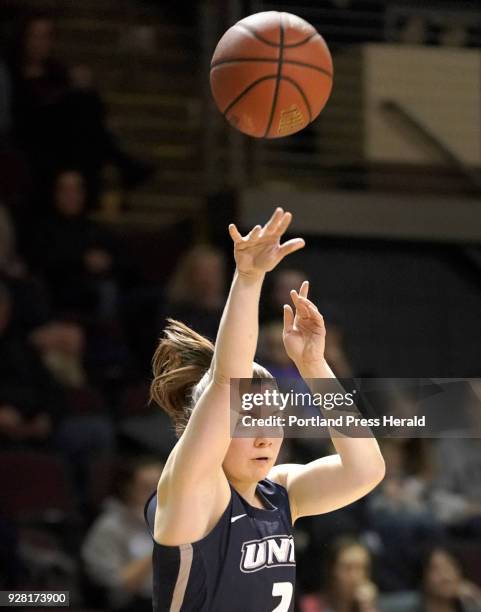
x=304 y=333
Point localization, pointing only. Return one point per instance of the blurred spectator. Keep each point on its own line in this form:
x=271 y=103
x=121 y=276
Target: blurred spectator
x=61 y=345
x=348 y=584
x=414 y=31
x=457 y=487
x=29 y=399
x=335 y=352
x=196 y=291
x=38 y=369
x=272 y=353
x=85 y=433
x=277 y=293
x=400 y=511
x=443 y=588
x=117 y=551
x=39 y=83
x=32 y=307
x=76 y=255
x=58 y=116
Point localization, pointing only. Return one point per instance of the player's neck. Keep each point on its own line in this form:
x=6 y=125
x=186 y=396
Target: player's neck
x=247 y=490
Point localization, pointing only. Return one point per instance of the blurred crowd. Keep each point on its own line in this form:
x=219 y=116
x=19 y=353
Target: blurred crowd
x=52 y=117
x=82 y=448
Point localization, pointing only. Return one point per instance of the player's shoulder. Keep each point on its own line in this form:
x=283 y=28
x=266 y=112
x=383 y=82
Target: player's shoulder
x=281 y=473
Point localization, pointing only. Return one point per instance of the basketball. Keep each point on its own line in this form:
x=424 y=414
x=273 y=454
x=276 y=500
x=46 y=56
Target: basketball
x=271 y=74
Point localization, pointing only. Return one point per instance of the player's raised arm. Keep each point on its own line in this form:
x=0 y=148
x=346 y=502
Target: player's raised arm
x=193 y=478
x=331 y=482
x=255 y=254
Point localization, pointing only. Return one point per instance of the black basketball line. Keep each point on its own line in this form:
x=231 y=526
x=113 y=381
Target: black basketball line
x=278 y=77
x=302 y=42
x=239 y=60
x=301 y=91
x=272 y=44
x=256 y=35
x=246 y=90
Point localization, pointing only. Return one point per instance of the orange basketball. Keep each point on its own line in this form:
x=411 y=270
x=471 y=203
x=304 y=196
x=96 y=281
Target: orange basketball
x=271 y=74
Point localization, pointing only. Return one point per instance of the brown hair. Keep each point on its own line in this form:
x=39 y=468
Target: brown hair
x=181 y=371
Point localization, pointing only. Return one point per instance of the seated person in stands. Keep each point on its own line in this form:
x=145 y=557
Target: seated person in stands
x=196 y=291
x=76 y=255
x=443 y=588
x=30 y=297
x=117 y=551
x=457 y=486
x=401 y=513
x=29 y=398
x=348 y=583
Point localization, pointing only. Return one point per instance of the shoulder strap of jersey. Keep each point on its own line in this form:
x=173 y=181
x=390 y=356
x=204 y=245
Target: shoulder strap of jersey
x=277 y=495
x=149 y=512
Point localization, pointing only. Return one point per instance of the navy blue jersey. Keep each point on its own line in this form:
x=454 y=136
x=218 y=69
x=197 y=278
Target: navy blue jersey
x=245 y=563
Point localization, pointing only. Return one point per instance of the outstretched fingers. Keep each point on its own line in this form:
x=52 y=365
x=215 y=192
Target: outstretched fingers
x=304 y=290
x=304 y=307
x=234 y=233
x=278 y=223
x=237 y=236
x=273 y=222
x=310 y=311
x=254 y=233
x=301 y=308
x=291 y=246
x=283 y=224
x=288 y=318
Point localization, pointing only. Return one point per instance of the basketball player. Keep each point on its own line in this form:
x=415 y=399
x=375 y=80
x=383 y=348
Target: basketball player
x=222 y=515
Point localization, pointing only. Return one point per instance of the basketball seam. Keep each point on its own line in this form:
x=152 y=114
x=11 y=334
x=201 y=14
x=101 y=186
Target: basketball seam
x=302 y=42
x=270 y=60
x=301 y=91
x=246 y=90
x=278 y=76
x=272 y=44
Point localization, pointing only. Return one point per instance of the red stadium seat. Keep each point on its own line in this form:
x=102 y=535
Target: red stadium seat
x=36 y=486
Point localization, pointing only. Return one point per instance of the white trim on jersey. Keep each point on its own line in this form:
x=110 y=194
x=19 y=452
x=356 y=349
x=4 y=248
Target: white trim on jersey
x=186 y=556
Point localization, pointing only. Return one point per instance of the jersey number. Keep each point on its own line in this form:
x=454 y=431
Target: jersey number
x=283 y=590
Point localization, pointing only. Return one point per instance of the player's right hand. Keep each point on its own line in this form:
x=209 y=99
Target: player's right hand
x=260 y=251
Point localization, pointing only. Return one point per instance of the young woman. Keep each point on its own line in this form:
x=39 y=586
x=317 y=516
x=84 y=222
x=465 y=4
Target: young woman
x=222 y=514
x=348 y=586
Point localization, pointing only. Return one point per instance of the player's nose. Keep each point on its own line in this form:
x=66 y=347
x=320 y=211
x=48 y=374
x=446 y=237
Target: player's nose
x=262 y=442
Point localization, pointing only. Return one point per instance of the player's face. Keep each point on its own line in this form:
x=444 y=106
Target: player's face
x=250 y=459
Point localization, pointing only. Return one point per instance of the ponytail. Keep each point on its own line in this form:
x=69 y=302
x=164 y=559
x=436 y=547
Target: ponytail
x=180 y=361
